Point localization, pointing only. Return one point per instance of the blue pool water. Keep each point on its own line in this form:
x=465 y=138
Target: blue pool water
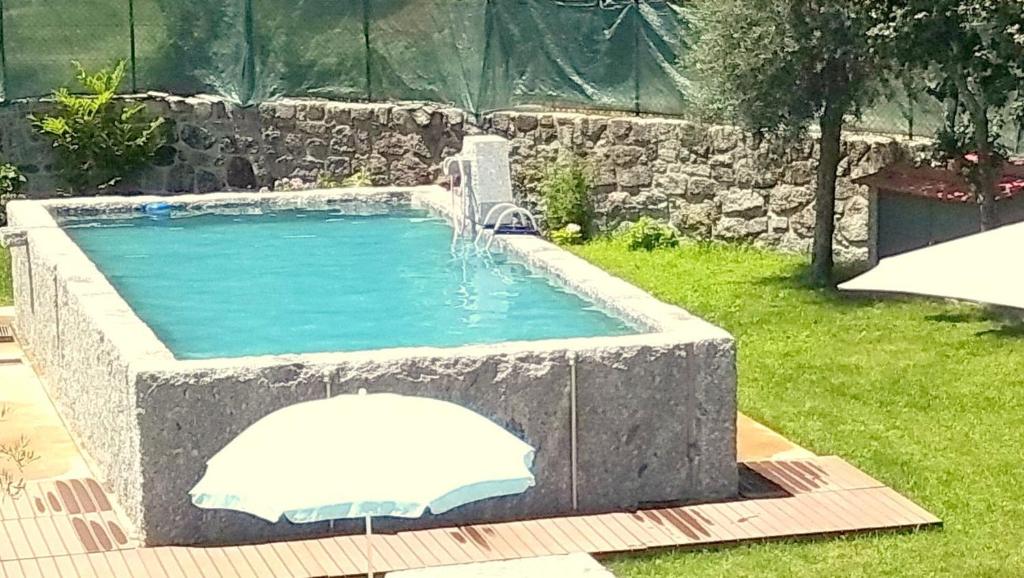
x=313 y=281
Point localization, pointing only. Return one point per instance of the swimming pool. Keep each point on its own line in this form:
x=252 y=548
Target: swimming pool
x=160 y=341
x=304 y=281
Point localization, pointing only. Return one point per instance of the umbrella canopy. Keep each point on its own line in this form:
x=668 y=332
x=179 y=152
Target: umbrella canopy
x=363 y=455
x=983 y=268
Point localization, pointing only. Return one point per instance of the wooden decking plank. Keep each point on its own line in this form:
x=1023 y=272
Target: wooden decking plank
x=252 y=556
x=49 y=568
x=457 y=553
x=519 y=530
x=239 y=561
x=845 y=474
x=444 y=553
x=22 y=508
x=616 y=543
x=658 y=524
x=381 y=556
x=397 y=551
x=469 y=545
x=11 y=569
x=909 y=505
x=681 y=523
x=7 y=510
x=206 y=565
x=344 y=552
x=136 y=568
x=98 y=561
x=558 y=535
x=409 y=558
x=425 y=553
x=151 y=562
x=168 y=562
x=289 y=559
x=573 y=535
x=856 y=515
x=117 y=564
x=17 y=539
x=30 y=568
x=811 y=518
x=541 y=534
x=382 y=550
x=403 y=550
x=868 y=502
x=507 y=537
x=7 y=551
x=83 y=568
x=52 y=537
x=65 y=567
x=35 y=538
x=224 y=566
x=772 y=517
x=746 y=519
x=305 y=558
x=845 y=521
x=587 y=532
x=724 y=530
x=37 y=500
x=272 y=560
x=330 y=556
x=773 y=472
x=624 y=526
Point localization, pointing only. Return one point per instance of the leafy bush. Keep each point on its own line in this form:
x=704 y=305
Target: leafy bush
x=99 y=141
x=360 y=178
x=565 y=188
x=649 y=234
x=11 y=182
x=571 y=234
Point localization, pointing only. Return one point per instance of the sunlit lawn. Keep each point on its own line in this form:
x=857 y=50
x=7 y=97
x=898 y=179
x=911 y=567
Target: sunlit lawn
x=925 y=396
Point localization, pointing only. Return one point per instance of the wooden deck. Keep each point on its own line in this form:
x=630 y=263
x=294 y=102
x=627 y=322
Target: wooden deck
x=68 y=528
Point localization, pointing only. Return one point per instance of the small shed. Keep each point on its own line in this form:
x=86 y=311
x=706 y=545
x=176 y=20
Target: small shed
x=915 y=207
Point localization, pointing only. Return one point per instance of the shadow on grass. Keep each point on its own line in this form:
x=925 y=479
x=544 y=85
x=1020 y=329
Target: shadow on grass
x=798 y=279
x=1006 y=323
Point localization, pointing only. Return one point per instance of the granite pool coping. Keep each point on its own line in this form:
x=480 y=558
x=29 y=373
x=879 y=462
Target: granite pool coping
x=42 y=220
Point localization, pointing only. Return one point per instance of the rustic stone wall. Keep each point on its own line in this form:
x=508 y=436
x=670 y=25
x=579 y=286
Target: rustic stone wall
x=712 y=182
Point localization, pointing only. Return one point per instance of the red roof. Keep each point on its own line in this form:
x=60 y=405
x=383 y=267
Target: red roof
x=939 y=183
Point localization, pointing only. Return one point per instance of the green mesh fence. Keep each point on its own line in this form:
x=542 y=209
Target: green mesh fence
x=480 y=55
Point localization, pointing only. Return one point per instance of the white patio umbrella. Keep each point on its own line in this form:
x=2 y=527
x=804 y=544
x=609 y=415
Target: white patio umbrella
x=362 y=456
x=985 y=268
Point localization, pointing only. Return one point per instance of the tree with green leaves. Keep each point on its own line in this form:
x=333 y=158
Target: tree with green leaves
x=782 y=65
x=973 y=50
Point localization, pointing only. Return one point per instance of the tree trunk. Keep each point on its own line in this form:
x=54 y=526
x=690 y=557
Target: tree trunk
x=831 y=124
x=985 y=176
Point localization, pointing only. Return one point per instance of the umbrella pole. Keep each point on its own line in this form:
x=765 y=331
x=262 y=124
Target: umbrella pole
x=369 y=548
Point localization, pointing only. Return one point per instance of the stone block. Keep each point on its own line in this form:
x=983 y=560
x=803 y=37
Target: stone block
x=742 y=203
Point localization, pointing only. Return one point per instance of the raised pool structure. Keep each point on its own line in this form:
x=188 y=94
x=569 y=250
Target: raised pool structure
x=164 y=326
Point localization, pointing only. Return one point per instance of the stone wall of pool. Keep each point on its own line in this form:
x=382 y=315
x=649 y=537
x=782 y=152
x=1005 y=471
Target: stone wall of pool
x=712 y=181
x=656 y=410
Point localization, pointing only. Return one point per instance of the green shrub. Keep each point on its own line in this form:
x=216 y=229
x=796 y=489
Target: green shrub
x=649 y=234
x=571 y=234
x=11 y=182
x=360 y=178
x=99 y=141
x=565 y=188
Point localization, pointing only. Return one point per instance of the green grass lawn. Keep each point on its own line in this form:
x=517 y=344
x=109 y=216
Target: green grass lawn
x=5 y=278
x=925 y=396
